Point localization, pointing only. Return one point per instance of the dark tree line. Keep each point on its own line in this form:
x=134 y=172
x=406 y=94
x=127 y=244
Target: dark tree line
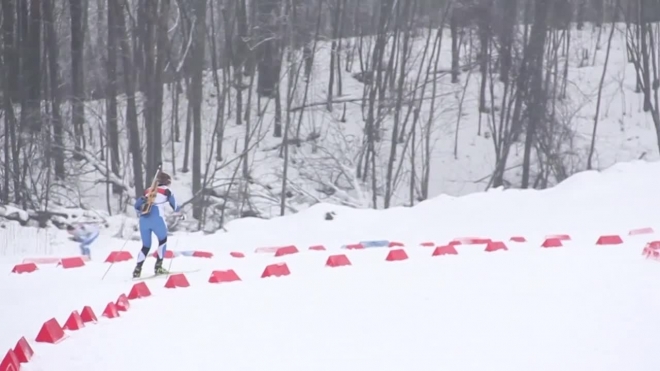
x=140 y=56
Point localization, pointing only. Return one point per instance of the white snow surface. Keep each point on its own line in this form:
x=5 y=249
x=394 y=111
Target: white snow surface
x=578 y=307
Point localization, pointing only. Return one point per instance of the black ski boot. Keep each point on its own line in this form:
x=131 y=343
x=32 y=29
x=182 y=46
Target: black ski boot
x=138 y=270
x=158 y=268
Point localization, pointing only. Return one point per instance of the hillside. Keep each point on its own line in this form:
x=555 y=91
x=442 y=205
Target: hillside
x=625 y=132
x=447 y=141
x=453 y=302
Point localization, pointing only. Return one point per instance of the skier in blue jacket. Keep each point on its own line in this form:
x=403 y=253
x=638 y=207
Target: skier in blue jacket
x=154 y=222
x=85 y=234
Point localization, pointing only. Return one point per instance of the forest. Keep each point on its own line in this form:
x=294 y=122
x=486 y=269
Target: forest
x=334 y=100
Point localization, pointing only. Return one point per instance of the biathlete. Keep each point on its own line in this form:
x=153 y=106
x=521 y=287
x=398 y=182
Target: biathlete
x=154 y=222
x=85 y=234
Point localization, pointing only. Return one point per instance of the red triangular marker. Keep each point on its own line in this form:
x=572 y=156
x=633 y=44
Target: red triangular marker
x=111 y=311
x=23 y=351
x=10 y=362
x=88 y=315
x=74 y=322
x=122 y=303
x=51 y=332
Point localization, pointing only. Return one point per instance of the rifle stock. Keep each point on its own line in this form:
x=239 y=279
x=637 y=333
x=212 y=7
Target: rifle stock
x=151 y=195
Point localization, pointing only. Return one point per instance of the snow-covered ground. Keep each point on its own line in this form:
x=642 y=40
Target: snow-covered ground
x=577 y=307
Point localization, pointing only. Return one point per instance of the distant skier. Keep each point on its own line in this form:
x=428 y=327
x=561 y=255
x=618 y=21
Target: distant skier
x=154 y=222
x=85 y=234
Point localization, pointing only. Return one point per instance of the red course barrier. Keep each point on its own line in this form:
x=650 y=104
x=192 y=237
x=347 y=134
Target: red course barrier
x=23 y=351
x=177 y=280
x=118 y=256
x=445 y=250
x=74 y=322
x=74 y=262
x=337 y=261
x=223 y=276
x=495 y=246
x=88 y=315
x=24 y=268
x=609 y=240
x=10 y=362
x=552 y=242
x=122 y=303
x=286 y=250
x=110 y=311
x=396 y=255
x=276 y=270
x=139 y=290
x=51 y=332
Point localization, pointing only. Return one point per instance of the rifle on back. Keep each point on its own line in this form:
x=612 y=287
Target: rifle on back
x=152 y=192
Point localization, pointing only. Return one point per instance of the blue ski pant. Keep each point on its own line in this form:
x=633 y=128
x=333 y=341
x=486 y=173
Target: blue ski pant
x=85 y=243
x=152 y=225
x=84 y=250
x=84 y=247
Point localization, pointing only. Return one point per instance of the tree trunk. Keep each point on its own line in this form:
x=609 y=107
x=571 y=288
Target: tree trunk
x=536 y=107
x=484 y=20
x=196 y=104
x=268 y=56
x=10 y=72
x=507 y=35
x=600 y=93
x=455 y=52
x=31 y=110
x=52 y=49
x=129 y=88
x=111 y=96
x=77 y=71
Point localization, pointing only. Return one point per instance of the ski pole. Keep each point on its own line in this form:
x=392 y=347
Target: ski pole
x=169 y=267
x=113 y=263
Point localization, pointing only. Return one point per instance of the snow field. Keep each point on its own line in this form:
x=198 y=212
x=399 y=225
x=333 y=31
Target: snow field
x=579 y=306
x=536 y=308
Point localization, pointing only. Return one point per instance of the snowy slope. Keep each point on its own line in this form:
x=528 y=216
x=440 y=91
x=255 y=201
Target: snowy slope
x=576 y=307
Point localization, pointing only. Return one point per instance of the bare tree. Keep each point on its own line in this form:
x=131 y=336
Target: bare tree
x=642 y=45
x=600 y=93
x=52 y=51
x=196 y=101
x=129 y=87
x=77 y=12
x=111 y=109
x=535 y=62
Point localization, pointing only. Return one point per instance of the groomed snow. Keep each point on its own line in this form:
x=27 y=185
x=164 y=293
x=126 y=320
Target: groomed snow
x=577 y=307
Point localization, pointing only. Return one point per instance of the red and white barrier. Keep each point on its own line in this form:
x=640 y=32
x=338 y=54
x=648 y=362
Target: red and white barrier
x=52 y=332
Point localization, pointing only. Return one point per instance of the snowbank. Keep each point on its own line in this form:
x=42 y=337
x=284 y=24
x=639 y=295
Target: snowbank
x=622 y=196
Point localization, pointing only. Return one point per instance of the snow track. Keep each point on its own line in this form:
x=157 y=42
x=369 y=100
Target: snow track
x=588 y=300
x=527 y=307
